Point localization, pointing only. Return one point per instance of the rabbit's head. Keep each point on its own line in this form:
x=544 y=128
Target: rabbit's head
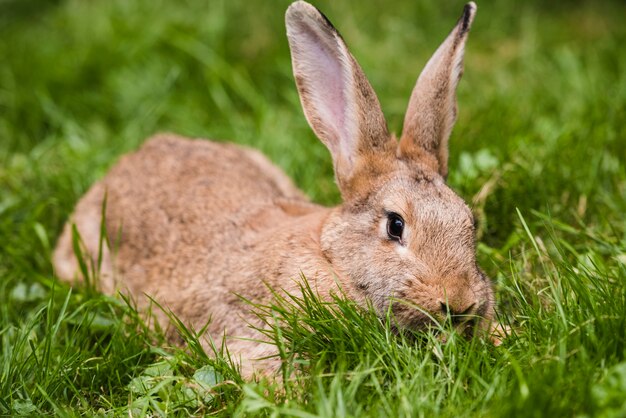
x=401 y=237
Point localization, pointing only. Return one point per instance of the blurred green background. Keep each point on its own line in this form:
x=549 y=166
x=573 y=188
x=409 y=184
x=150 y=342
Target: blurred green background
x=541 y=129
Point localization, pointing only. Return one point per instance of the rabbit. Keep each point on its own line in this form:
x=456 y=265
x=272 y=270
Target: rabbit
x=201 y=224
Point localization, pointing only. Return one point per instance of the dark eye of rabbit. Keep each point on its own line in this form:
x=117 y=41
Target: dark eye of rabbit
x=395 y=226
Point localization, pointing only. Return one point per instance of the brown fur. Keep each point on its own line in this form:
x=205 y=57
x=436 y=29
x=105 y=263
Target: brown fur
x=201 y=222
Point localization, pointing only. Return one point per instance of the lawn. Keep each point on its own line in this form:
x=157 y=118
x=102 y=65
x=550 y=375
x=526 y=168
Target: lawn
x=539 y=152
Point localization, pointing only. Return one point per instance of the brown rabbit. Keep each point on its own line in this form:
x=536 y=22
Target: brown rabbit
x=200 y=222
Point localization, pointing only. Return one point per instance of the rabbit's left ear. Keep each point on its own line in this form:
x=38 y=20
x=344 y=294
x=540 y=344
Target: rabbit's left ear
x=338 y=101
x=432 y=108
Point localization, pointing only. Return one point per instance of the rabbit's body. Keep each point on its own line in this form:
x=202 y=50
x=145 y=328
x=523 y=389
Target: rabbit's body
x=194 y=237
x=197 y=225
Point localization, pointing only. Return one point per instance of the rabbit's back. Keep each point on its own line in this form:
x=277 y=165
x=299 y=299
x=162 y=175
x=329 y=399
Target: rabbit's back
x=177 y=210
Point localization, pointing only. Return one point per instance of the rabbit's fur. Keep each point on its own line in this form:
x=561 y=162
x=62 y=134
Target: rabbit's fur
x=199 y=224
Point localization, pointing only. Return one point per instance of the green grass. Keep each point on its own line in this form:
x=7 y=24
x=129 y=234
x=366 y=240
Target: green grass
x=539 y=150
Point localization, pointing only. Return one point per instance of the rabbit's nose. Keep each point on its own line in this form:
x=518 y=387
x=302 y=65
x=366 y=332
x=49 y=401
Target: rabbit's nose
x=458 y=312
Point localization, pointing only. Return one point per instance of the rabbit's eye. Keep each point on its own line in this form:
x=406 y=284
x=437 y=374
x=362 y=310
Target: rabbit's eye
x=395 y=226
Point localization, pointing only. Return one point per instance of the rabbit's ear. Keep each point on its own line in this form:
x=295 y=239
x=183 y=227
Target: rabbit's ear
x=432 y=108
x=338 y=101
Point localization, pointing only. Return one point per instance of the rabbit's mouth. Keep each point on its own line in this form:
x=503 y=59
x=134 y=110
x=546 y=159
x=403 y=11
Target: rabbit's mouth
x=414 y=321
x=441 y=333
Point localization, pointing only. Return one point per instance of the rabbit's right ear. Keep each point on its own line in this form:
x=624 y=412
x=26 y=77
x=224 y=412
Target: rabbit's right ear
x=338 y=101
x=432 y=108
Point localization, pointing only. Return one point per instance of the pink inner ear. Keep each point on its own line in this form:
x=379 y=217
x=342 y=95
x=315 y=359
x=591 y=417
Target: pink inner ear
x=329 y=91
x=322 y=68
